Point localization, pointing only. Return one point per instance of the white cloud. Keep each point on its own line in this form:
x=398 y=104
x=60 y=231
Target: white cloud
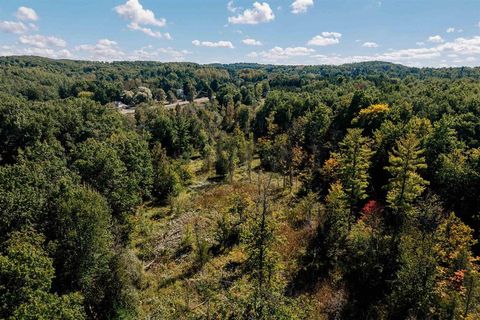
x=370 y=45
x=301 y=6
x=139 y=17
x=420 y=43
x=104 y=50
x=13 y=27
x=450 y=30
x=260 y=13
x=435 y=39
x=462 y=50
x=26 y=14
x=251 y=42
x=159 y=54
x=218 y=44
x=149 y=32
x=459 y=52
x=325 y=39
x=462 y=46
x=458 y=47
x=281 y=54
x=231 y=7
x=40 y=41
x=408 y=54
x=332 y=34
x=134 y=11
x=44 y=52
x=404 y=56
x=337 y=59
x=33 y=26
x=173 y=53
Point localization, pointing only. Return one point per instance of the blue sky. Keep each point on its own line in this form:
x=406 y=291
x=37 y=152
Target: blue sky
x=412 y=32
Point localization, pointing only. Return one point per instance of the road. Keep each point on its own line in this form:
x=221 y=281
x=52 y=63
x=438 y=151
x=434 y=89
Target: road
x=170 y=106
x=181 y=103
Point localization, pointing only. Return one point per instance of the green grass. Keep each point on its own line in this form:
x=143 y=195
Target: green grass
x=166 y=239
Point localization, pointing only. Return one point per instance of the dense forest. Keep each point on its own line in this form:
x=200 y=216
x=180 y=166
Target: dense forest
x=294 y=192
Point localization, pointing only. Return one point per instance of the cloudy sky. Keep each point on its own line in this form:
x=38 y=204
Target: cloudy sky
x=412 y=32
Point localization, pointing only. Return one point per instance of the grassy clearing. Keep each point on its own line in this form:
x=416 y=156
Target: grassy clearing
x=187 y=273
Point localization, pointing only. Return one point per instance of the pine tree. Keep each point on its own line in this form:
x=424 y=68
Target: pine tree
x=249 y=151
x=227 y=153
x=189 y=91
x=405 y=184
x=337 y=223
x=258 y=236
x=166 y=180
x=354 y=159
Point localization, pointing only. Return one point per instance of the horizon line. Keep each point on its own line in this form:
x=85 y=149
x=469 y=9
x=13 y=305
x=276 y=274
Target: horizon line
x=234 y=63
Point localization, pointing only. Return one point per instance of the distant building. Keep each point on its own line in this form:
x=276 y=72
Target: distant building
x=121 y=105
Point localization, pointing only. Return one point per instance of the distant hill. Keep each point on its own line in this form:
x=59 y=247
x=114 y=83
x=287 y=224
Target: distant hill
x=38 y=78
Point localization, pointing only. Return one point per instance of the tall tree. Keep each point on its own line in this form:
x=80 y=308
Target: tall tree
x=100 y=165
x=354 y=160
x=405 y=184
x=166 y=181
x=258 y=237
x=189 y=91
x=83 y=249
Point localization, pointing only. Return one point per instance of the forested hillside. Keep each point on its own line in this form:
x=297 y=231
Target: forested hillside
x=296 y=192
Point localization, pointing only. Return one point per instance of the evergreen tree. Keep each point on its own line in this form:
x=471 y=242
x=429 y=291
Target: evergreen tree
x=249 y=151
x=166 y=181
x=336 y=226
x=221 y=160
x=354 y=162
x=189 y=91
x=414 y=286
x=405 y=184
x=266 y=301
